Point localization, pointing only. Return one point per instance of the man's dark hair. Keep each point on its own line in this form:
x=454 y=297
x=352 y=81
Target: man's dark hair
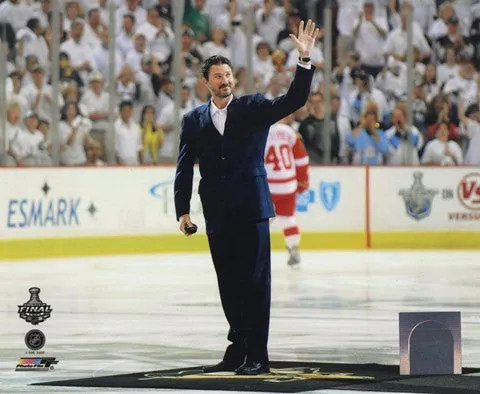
x=215 y=60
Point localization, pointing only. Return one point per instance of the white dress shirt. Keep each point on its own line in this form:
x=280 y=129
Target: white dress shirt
x=219 y=116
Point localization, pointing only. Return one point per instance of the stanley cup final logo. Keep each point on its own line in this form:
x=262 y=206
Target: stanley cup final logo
x=34 y=310
x=418 y=199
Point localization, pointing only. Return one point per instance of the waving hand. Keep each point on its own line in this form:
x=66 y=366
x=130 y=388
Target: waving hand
x=306 y=38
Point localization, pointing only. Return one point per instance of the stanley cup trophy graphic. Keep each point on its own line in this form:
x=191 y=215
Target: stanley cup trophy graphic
x=34 y=310
x=418 y=199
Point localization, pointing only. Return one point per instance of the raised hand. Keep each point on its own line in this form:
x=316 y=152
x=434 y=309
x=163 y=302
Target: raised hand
x=306 y=38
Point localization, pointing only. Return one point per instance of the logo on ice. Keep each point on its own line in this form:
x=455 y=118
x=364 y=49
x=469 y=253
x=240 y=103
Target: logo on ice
x=418 y=199
x=34 y=310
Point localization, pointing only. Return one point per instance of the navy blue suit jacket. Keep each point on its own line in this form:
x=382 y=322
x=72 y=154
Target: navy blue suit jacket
x=233 y=183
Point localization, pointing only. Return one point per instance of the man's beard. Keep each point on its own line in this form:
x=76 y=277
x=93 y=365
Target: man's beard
x=222 y=92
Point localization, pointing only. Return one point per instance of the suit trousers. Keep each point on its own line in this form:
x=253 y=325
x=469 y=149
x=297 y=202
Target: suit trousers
x=241 y=256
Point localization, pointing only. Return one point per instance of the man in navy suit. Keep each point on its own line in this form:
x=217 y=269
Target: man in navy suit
x=228 y=137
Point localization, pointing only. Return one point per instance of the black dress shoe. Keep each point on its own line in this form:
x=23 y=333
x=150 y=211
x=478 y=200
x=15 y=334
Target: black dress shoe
x=222 y=366
x=253 y=368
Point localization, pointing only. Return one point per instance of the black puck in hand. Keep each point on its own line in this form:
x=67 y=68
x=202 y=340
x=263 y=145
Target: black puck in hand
x=190 y=229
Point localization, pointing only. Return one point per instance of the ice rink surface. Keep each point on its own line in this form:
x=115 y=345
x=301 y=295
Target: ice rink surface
x=126 y=314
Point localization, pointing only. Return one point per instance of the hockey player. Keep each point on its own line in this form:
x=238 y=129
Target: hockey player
x=286 y=161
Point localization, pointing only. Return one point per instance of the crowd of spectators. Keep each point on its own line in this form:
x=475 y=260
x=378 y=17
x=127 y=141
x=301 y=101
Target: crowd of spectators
x=368 y=110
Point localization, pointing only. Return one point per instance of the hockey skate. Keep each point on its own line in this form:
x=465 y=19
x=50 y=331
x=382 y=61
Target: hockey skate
x=294 y=256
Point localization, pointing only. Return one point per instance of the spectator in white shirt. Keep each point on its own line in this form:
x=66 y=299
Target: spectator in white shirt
x=441 y=151
x=158 y=35
x=396 y=44
x=166 y=120
x=134 y=57
x=461 y=44
x=450 y=68
x=96 y=102
x=439 y=26
x=201 y=94
x=283 y=75
x=104 y=11
x=74 y=130
x=165 y=95
x=464 y=84
x=150 y=79
x=128 y=140
x=39 y=95
x=285 y=42
x=15 y=12
x=274 y=88
x=43 y=127
x=131 y=7
x=191 y=56
x=30 y=41
x=464 y=10
x=425 y=12
x=126 y=35
x=392 y=81
x=43 y=12
x=348 y=11
x=35 y=143
x=31 y=61
x=93 y=28
x=215 y=9
x=101 y=57
x=14 y=138
x=405 y=140
x=263 y=62
x=271 y=20
x=14 y=93
x=128 y=89
x=370 y=33
x=471 y=129
x=72 y=13
x=217 y=46
x=363 y=95
x=79 y=53
x=343 y=76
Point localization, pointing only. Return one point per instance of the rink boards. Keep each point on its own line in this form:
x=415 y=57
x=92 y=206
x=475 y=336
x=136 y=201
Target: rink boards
x=117 y=210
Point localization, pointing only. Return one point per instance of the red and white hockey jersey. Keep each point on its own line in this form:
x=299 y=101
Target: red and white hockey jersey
x=286 y=160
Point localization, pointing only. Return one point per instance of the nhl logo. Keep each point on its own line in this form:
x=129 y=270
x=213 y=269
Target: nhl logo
x=418 y=199
x=34 y=310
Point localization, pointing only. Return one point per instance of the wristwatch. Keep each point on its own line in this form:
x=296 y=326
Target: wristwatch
x=304 y=59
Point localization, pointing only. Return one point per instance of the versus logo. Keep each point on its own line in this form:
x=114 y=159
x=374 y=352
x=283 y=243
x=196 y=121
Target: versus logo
x=468 y=194
x=468 y=191
x=47 y=211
